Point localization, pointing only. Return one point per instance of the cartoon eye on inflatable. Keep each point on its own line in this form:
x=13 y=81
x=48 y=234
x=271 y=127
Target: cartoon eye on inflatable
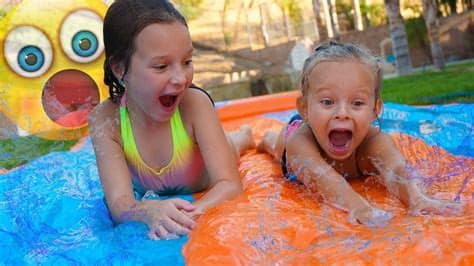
x=28 y=51
x=81 y=36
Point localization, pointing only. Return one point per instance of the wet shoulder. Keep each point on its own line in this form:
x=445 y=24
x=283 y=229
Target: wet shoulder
x=194 y=102
x=104 y=120
x=301 y=138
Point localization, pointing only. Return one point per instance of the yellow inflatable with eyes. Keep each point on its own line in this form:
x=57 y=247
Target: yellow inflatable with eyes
x=52 y=66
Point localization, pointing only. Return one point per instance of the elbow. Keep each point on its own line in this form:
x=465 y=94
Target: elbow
x=232 y=188
x=235 y=189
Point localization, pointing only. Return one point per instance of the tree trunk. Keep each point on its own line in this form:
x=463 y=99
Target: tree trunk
x=334 y=20
x=357 y=15
x=317 y=19
x=327 y=18
x=263 y=26
x=399 y=37
x=432 y=26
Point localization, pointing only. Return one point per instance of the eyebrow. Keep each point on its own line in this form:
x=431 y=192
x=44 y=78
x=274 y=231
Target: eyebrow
x=189 y=52
x=324 y=88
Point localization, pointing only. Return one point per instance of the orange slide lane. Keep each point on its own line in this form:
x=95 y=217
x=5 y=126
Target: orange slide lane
x=277 y=222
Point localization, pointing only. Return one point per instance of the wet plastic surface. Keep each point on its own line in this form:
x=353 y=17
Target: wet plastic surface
x=278 y=222
x=52 y=209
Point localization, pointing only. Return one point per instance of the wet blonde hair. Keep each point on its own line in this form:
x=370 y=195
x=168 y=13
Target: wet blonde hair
x=334 y=51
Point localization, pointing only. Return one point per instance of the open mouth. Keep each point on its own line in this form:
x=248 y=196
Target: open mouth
x=340 y=139
x=168 y=101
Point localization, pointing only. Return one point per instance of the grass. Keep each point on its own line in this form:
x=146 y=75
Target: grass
x=454 y=84
x=19 y=150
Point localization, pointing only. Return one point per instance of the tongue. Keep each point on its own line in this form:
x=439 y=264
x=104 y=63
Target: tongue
x=340 y=138
x=167 y=100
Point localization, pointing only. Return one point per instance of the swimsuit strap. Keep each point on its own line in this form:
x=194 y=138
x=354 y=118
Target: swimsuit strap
x=180 y=140
x=292 y=125
x=193 y=86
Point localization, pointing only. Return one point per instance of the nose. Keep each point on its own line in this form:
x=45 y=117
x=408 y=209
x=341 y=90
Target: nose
x=178 y=76
x=342 y=112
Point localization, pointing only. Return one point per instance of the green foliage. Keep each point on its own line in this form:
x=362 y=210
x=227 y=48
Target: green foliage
x=293 y=9
x=189 y=8
x=228 y=38
x=373 y=14
x=414 y=6
x=345 y=15
x=294 y=12
x=454 y=84
x=417 y=33
x=19 y=150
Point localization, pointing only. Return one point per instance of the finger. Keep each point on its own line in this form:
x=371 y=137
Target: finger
x=183 y=219
x=194 y=214
x=183 y=204
x=158 y=231
x=174 y=227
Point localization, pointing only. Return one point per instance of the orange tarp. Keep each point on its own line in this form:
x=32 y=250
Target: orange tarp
x=277 y=222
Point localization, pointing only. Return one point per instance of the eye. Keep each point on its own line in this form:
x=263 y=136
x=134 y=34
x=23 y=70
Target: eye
x=160 y=67
x=188 y=62
x=359 y=103
x=81 y=36
x=28 y=51
x=326 y=101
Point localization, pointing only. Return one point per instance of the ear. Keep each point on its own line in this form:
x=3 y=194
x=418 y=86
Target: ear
x=117 y=68
x=302 y=107
x=378 y=108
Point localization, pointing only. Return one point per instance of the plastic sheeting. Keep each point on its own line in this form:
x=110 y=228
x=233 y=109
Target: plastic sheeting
x=52 y=209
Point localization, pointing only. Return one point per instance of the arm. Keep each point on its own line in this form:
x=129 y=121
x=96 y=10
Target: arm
x=162 y=217
x=219 y=158
x=401 y=181
x=314 y=172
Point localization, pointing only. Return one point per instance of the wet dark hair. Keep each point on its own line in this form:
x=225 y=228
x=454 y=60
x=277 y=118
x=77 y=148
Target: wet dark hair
x=124 y=20
x=334 y=51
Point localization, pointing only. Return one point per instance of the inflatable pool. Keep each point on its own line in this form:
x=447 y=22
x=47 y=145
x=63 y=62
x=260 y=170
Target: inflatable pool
x=52 y=209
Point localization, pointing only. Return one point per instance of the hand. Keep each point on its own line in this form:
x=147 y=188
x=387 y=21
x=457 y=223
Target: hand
x=425 y=205
x=166 y=218
x=194 y=214
x=370 y=216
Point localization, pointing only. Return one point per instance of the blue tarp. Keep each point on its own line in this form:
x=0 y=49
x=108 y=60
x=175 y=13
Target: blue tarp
x=52 y=209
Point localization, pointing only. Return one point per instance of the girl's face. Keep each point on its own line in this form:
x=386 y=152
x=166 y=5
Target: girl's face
x=160 y=70
x=340 y=105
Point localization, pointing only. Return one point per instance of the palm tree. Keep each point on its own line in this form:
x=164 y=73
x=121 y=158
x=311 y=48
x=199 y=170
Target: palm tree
x=432 y=25
x=357 y=15
x=327 y=18
x=399 y=37
x=334 y=20
x=317 y=19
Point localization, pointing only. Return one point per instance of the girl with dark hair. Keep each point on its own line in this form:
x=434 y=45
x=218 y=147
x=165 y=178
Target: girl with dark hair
x=158 y=134
x=332 y=139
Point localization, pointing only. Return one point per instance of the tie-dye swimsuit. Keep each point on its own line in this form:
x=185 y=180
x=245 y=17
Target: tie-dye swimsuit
x=182 y=172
